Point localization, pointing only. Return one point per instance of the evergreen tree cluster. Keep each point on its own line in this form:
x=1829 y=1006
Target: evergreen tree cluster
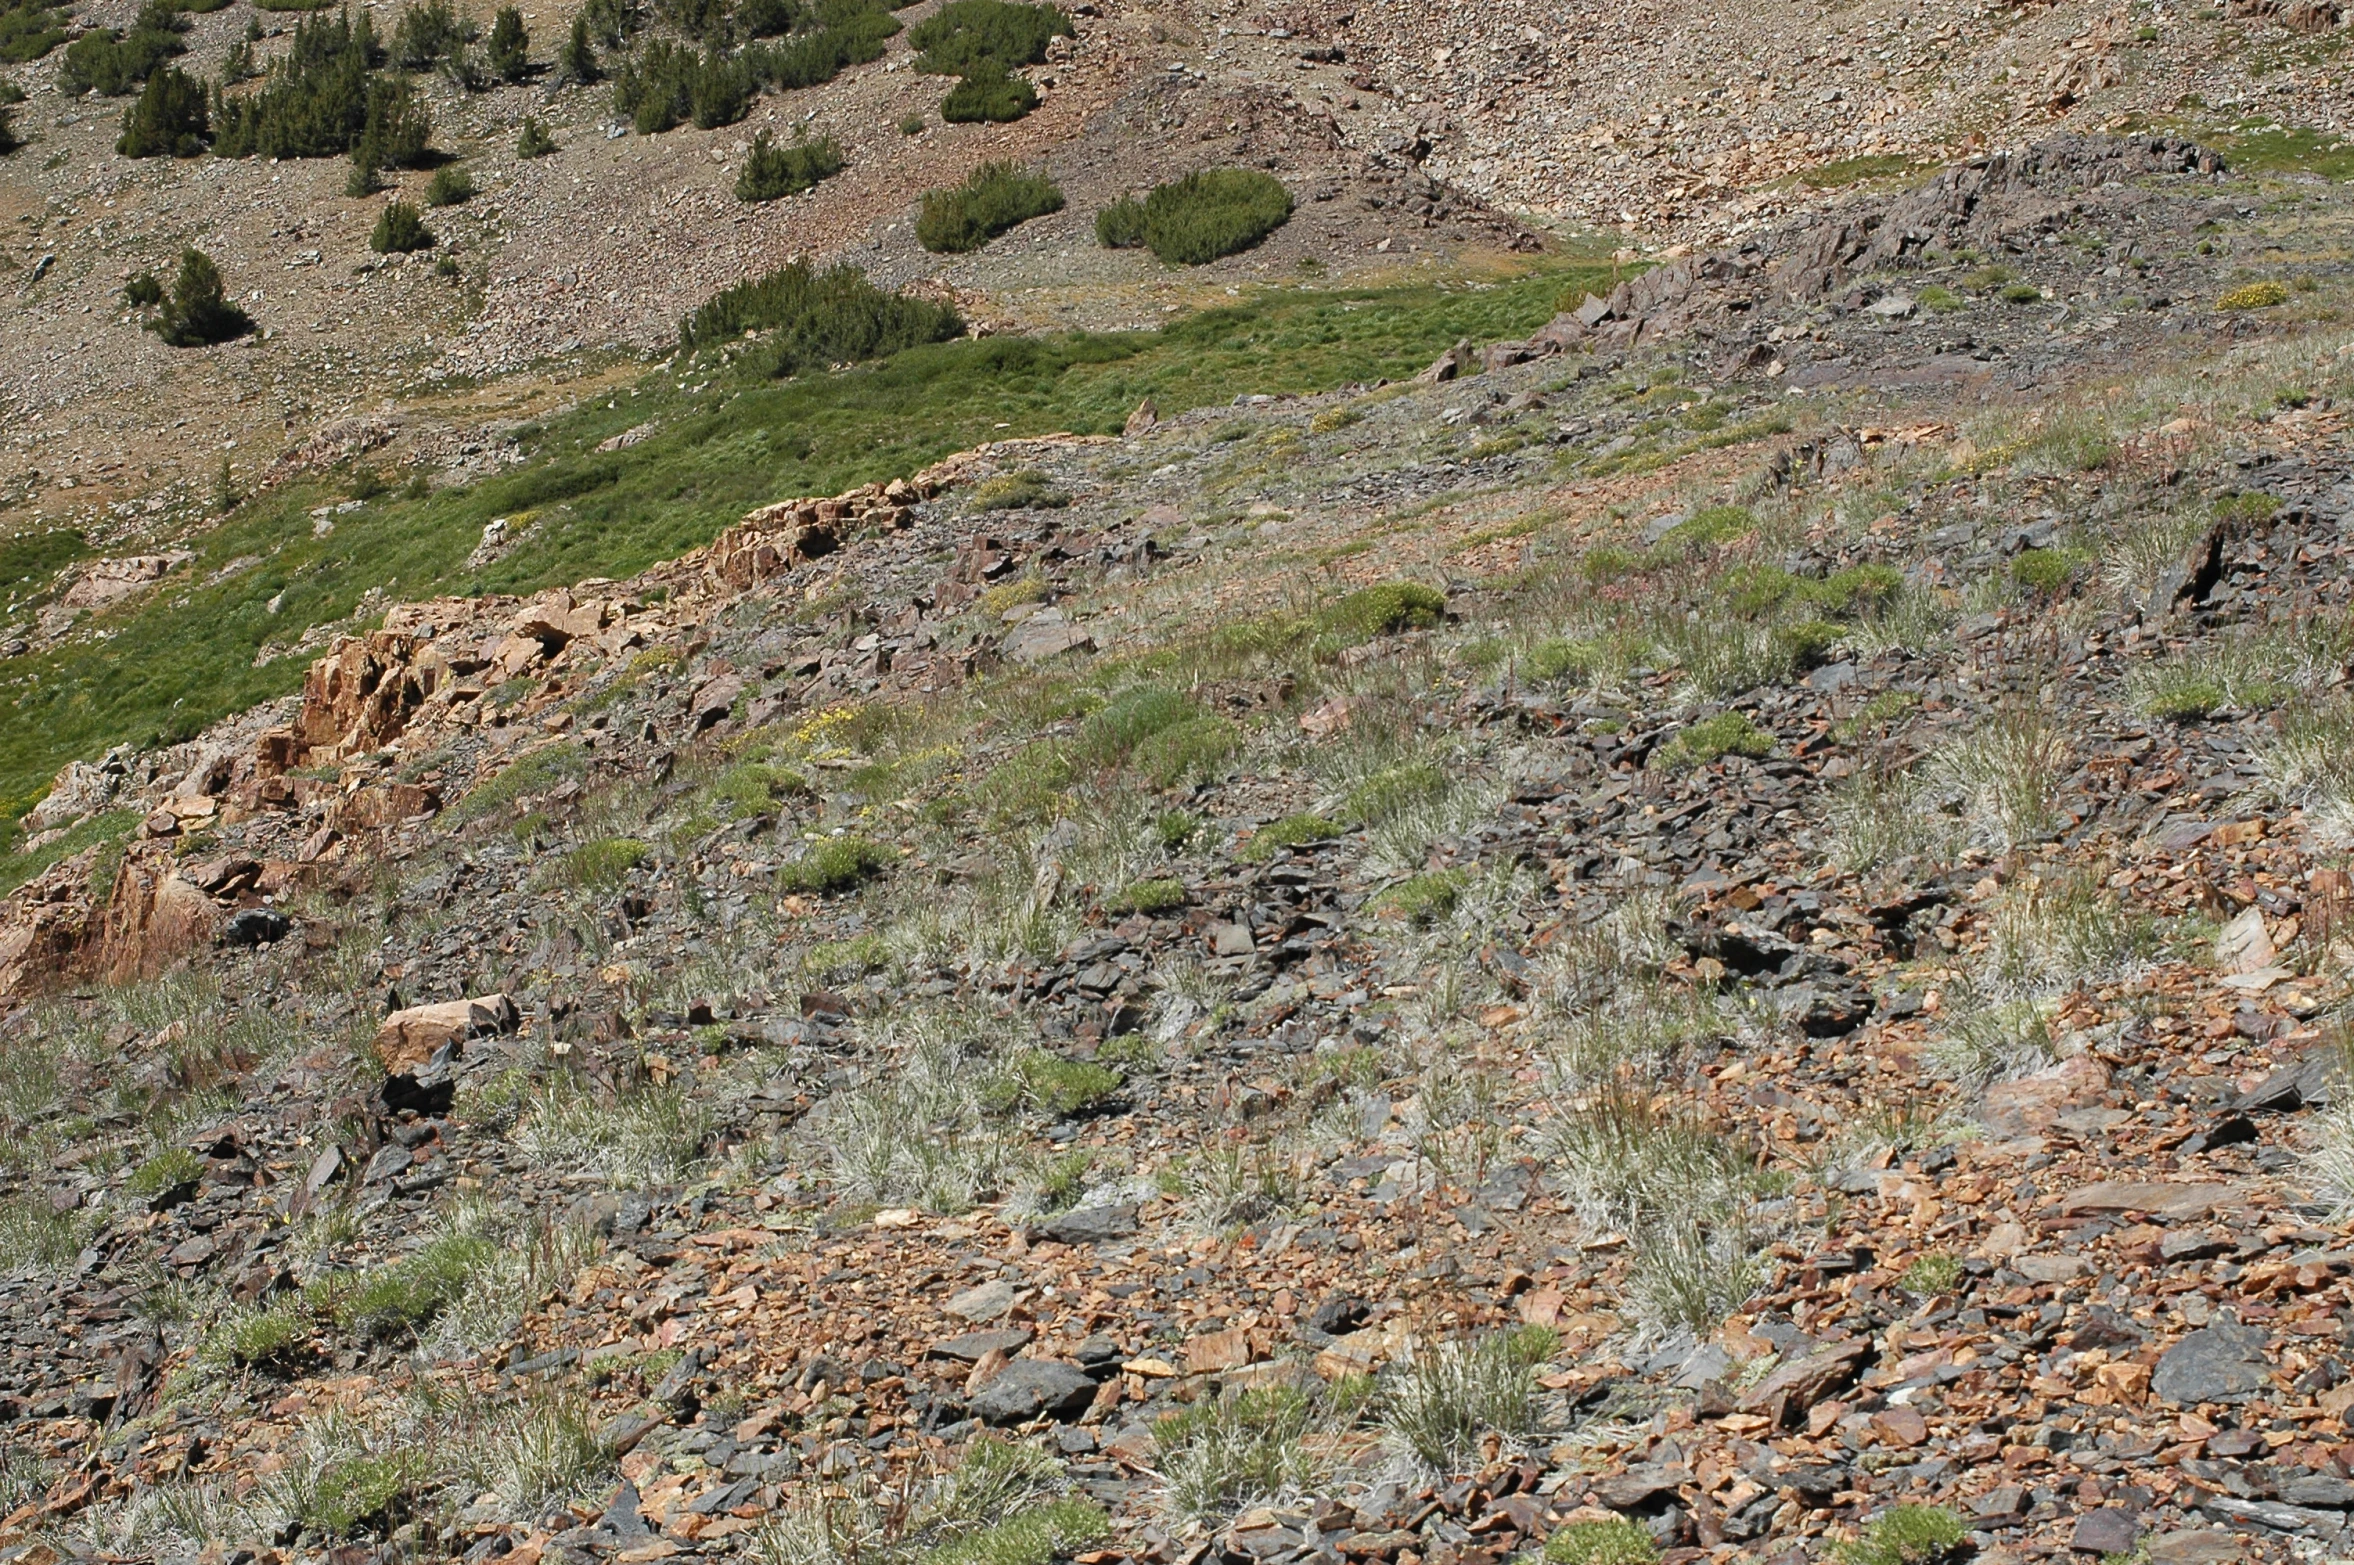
x=111 y=63
x=668 y=82
x=983 y=43
x=814 y=319
x=29 y=29
x=316 y=101
x=173 y=118
x=773 y=171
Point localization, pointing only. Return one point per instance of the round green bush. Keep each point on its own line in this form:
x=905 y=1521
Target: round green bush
x=1199 y=218
x=996 y=197
x=451 y=186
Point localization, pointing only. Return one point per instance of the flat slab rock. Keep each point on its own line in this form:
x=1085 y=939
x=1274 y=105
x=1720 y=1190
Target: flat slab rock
x=2176 y=1203
x=2213 y=1363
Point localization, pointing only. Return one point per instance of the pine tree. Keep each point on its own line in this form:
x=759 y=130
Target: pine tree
x=576 y=60
x=510 y=46
x=198 y=312
x=400 y=229
x=171 y=118
x=535 y=142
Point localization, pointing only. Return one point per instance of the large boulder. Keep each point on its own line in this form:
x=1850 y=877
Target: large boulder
x=408 y=1039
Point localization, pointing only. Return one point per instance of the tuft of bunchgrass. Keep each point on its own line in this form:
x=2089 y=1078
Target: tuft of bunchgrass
x=1235 y=1450
x=651 y=1136
x=1437 y=1407
x=2006 y=773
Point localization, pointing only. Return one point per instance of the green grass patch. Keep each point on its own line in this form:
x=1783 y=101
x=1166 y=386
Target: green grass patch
x=1932 y=1274
x=1147 y=896
x=357 y=1494
x=1054 y=1086
x=180 y=658
x=538 y=772
x=1857 y=170
x=1425 y=898
x=1019 y=491
x=603 y=865
x=1056 y=1530
x=1293 y=831
x=2287 y=150
x=1712 y=739
x=2048 y=571
x=1382 y=610
x=172 y=1169
x=108 y=828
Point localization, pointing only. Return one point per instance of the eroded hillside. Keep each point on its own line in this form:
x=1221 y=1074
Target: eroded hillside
x=1714 y=932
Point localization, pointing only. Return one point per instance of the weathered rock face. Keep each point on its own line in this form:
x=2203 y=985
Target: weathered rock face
x=155 y=919
x=80 y=790
x=793 y=532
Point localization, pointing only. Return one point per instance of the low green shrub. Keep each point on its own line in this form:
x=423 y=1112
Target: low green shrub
x=988 y=97
x=2254 y=296
x=811 y=319
x=1197 y=219
x=400 y=228
x=2046 y=571
x=772 y=172
x=968 y=36
x=111 y=63
x=29 y=29
x=835 y=864
x=1932 y=1274
x=174 y=1168
x=1713 y=738
x=534 y=142
x=995 y=197
x=197 y=312
x=451 y=186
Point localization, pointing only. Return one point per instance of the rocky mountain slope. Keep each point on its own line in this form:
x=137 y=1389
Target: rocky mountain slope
x=1716 y=934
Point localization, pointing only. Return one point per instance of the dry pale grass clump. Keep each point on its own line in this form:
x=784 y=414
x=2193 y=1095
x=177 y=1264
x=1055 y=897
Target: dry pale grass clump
x=2006 y=774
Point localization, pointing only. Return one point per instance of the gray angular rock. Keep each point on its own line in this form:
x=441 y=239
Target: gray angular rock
x=1091 y=1225
x=1027 y=1388
x=2109 y=1530
x=2221 y=1361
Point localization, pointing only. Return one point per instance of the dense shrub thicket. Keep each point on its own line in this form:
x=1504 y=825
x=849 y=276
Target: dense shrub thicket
x=1198 y=218
x=965 y=36
x=197 y=312
x=984 y=42
x=773 y=171
x=171 y=119
x=668 y=84
x=813 y=319
x=29 y=29
x=993 y=198
x=105 y=61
